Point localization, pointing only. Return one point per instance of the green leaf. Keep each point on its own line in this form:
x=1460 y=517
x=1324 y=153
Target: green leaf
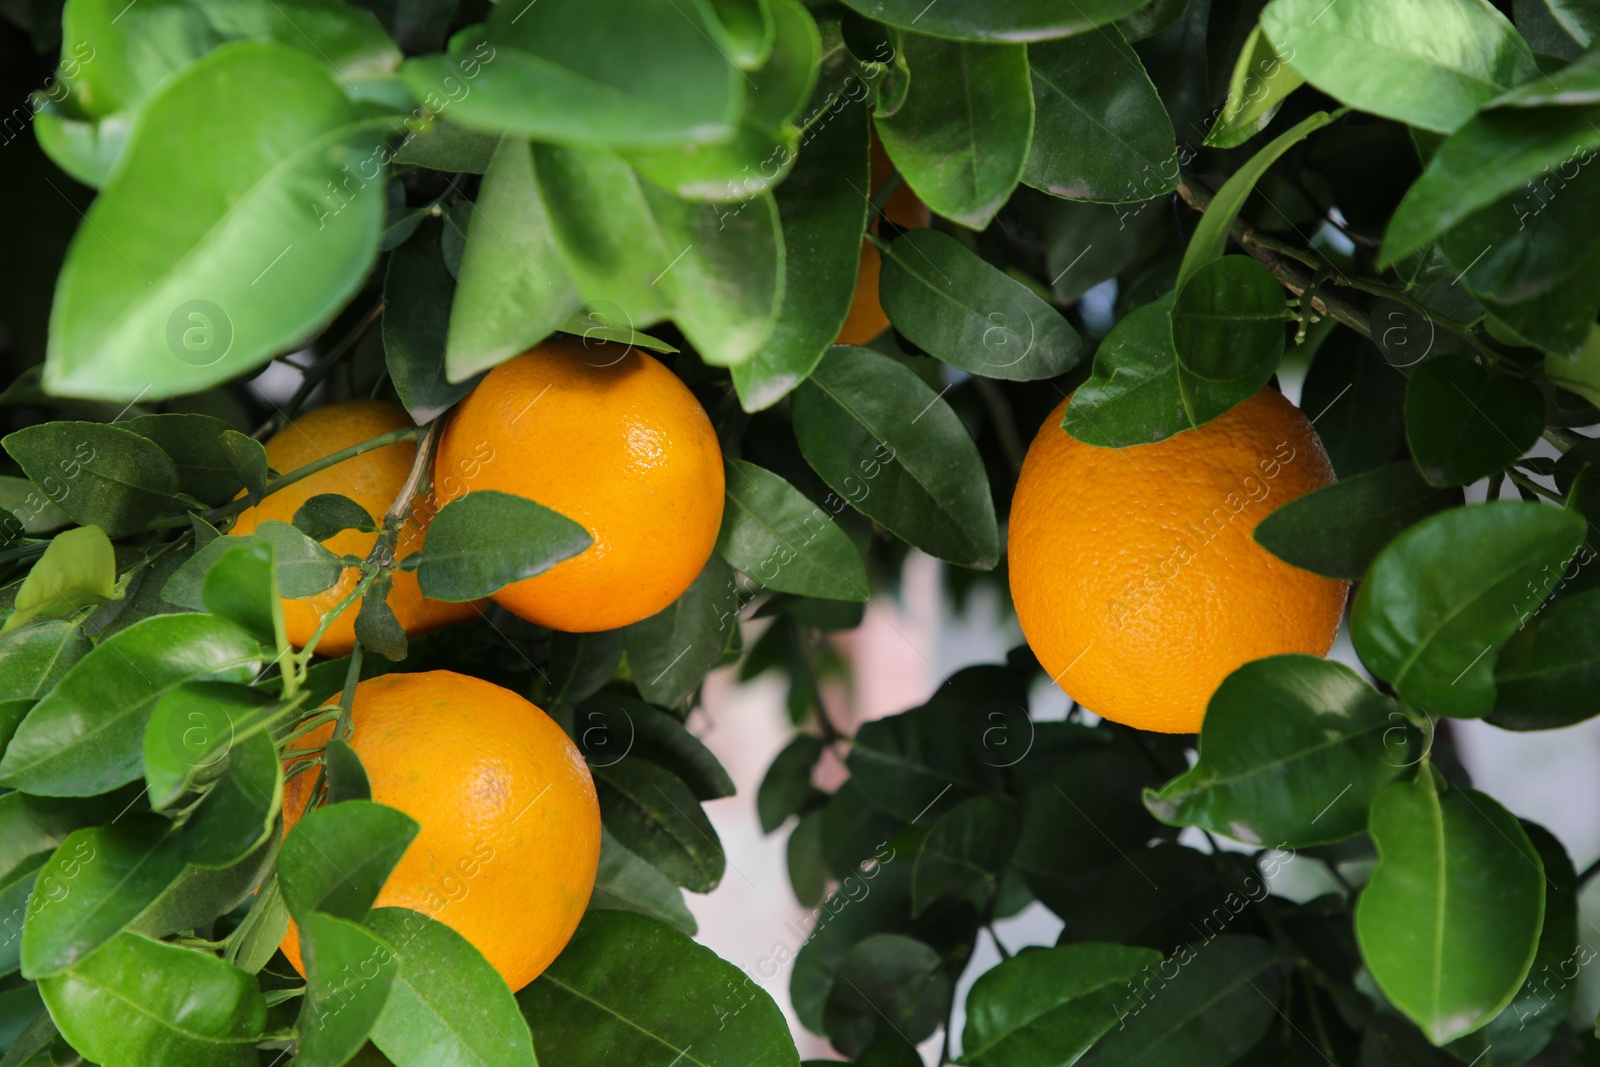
x=188 y=273
x=640 y=253
x=1228 y=321
x=670 y=652
x=823 y=216
x=242 y=588
x=368 y=840
x=1450 y=920
x=961 y=137
x=327 y=514
x=196 y=447
x=775 y=535
x=887 y=984
x=447 y=1005
x=487 y=540
x=200 y=895
x=1562 y=28
x=628 y=883
x=1338 y=530
x=1210 y=238
x=1552 y=679
x=1100 y=130
x=33 y=660
x=1004 y=20
x=1220 y=1002
x=1356 y=401
x=951 y=304
x=1292 y=751
x=84 y=736
x=965 y=853
x=376 y=625
x=611 y=727
x=872 y=900
x=110 y=477
x=1444 y=596
x=1559 y=320
x=1262 y=78
x=887 y=443
x=613 y=72
x=302 y=566
x=1464 y=424
x=514 y=290
x=1170 y=897
x=808 y=867
x=580 y=664
x=32 y=827
x=1048 y=1005
x=240 y=808
x=140 y=1001
x=349 y=973
x=1488 y=159
x=445 y=146
x=31 y=511
x=193 y=728
x=96 y=883
x=1431 y=64
x=630 y=990
x=257 y=938
x=417 y=291
x=786 y=788
x=653 y=814
x=347 y=778
x=78 y=570
x=1087 y=243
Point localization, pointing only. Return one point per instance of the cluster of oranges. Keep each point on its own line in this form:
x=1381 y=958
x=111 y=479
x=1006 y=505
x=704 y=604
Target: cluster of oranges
x=1135 y=578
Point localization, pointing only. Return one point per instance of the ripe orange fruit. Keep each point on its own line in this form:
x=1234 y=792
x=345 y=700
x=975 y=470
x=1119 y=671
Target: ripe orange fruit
x=1134 y=573
x=510 y=837
x=372 y=480
x=608 y=437
x=866 y=319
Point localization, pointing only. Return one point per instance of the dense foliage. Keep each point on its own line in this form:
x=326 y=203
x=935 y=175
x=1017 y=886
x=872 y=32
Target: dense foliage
x=1161 y=205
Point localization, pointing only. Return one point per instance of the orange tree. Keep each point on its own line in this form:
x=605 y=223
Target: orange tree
x=1110 y=222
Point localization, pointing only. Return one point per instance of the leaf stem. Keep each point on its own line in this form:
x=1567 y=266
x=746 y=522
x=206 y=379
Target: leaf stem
x=314 y=375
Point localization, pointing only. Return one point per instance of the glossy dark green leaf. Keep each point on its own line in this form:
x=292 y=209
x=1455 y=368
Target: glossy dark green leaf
x=200 y=895
x=486 y=540
x=1100 y=131
x=631 y=990
x=853 y=831
x=654 y=815
x=1561 y=319
x=19 y=1010
x=1487 y=159
x=628 y=883
x=84 y=736
x=302 y=566
x=887 y=443
x=349 y=973
x=1007 y=20
x=1292 y=751
x=142 y=1001
x=347 y=778
x=965 y=853
x=33 y=660
x=1206 y=1005
x=1445 y=594
x=226 y=275
x=1553 y=679
x=193 y=728
x=786 y=787
x=614 y=72
x=950 y=303
x=1172 y=896
x=16 y=892
x=257 y=938
x=1429 y=65
x=239 y=809
x=670 y=652
x=1228 y=321
x=960 y=138
x=611 y=727
x=1048 y=1005
x=775 y=535
x=32 y=827
x=417 y=291
x=580 y=664
x=103 y=475
x=242 y=587
x=1338 y=530
x=1087 y=243
x=96 y=883
x=869 y=900
x=1464 y=423
x=823 y=213
x=513 y=288
x=195 y=445
x=1134 y=396
x=1449 y=922
x=377 y=627
x=327 y=514
x=808 y=867
x=337 y=858
x=447 y=1005
x=887 y=984
x=1355 y=400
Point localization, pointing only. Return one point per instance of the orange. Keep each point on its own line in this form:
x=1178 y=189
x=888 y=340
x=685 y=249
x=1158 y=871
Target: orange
x=372 y=479
x=1134 y=573
x=510 y=828
x=866 y=319
x=608 y=437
